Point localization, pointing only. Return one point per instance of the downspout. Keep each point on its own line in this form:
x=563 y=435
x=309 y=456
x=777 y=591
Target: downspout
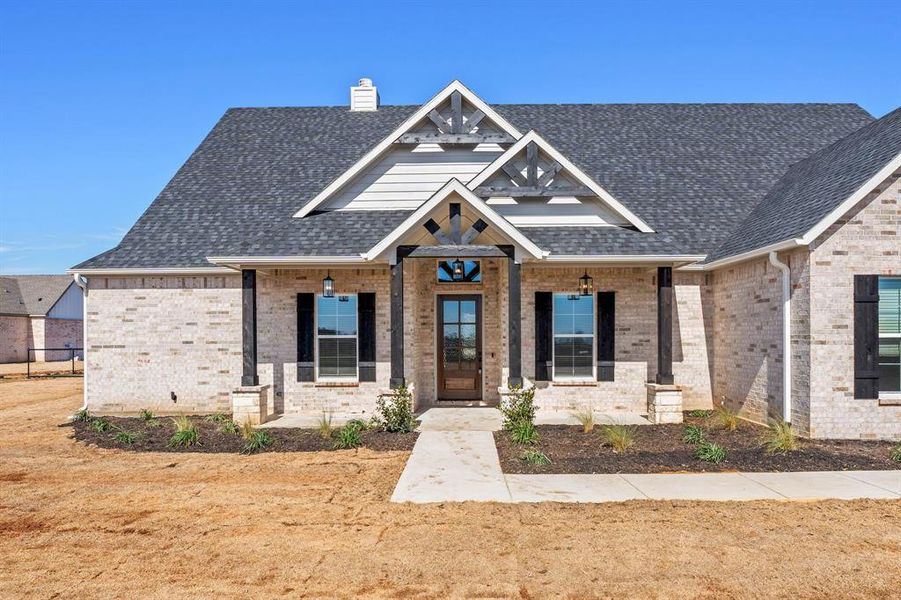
x=82 y=282
x=786 y=336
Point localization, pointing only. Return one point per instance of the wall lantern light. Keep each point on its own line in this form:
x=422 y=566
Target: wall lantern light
x=586 y=285
x=328 y=286
x=458 y=270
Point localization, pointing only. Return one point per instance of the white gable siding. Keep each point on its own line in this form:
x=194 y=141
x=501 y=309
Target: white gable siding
x=556 y=211
x=408 y=176
x=69 y=305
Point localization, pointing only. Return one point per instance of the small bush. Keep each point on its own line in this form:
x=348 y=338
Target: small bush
x=124 y=437
x=586 y=420
x=247 y=429
x=693 y=434
x=325 y=425
x=726 y=418
x=518 y=407
x=895 y=454
x=359 y=424
x=101 y=424
x=395 y=414
x=703 y=414
x=524 y=433
x=146 y=414
x=154 y=423
x=216 y=418
x=348 y=437
x=619 y=437
x=185 y=433
x=259 y=440
x=710 y=452
x=82 y=416
x=230 y=427
x=536 y=458
x=780 y=438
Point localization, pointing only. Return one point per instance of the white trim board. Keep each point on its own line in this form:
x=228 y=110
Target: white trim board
x=576 y=172
x=378 y=150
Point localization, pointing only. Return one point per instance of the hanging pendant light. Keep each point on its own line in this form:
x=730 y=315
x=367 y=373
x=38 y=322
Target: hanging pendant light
x=328 y=286
x=586 y=285
x=458 y=270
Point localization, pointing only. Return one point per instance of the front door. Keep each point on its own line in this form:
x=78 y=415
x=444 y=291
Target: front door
x=459 y=347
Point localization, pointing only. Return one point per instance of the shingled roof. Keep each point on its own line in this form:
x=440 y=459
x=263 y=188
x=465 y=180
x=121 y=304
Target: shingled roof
x=31 y=294
x=691 y=171
x=815 y=186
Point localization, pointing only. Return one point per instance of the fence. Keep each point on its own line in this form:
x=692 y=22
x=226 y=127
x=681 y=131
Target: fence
x=71 y=353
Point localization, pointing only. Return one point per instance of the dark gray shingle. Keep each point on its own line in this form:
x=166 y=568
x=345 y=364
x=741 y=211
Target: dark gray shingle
x=31 y=294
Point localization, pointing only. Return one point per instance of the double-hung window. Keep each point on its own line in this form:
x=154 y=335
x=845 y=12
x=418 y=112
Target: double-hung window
x=336 y=338
x=573 y=337
x=890 y=336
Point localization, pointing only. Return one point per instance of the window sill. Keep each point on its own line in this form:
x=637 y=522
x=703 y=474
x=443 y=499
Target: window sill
x=337 y=384
x=575 y=383
x=890 y=399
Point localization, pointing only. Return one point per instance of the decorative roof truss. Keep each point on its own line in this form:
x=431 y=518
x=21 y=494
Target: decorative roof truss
x=532 y=178
x=457 y=122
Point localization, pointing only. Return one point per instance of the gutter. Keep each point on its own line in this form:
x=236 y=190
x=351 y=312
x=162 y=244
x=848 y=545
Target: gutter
x=82 y=282
x=786 y=336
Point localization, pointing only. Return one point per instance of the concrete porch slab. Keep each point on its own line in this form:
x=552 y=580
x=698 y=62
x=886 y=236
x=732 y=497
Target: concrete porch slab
x=461 y=419
x=571 y=488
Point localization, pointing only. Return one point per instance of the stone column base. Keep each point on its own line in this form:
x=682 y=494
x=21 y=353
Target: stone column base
x=664 y=403
x=250 y=403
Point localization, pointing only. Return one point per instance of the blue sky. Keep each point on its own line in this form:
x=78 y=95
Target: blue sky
x=101 y=102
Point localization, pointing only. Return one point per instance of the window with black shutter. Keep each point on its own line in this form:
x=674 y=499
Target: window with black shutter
x=305 y=338
x=606 y=333
x=866 y=336
x=544 y=331
x=366 y=318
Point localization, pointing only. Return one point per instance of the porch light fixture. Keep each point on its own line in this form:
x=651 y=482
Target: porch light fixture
x=459 y=269
x=586 y=285
x=328 y=286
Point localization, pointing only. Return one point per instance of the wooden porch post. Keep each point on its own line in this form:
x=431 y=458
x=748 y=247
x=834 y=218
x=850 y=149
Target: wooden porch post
x=397 y=317
x=249 y=327
x=665 y=325
x=514 y=317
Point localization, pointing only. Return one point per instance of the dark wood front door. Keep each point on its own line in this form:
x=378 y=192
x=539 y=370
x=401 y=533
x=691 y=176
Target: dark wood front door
x=459 y=347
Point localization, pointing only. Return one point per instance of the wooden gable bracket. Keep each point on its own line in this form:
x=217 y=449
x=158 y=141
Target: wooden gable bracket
x=455 y=237
x=456 y=131
x=531 y=185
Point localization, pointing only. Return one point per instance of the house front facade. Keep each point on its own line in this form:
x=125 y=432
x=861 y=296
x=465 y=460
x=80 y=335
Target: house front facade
x=636 y=258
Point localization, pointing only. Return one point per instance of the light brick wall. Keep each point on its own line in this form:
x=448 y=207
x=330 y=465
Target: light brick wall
x=866 y=241
x=149 y=336
x=60 y=332
x=747 y=337
x=636 y=337
x=14 y=338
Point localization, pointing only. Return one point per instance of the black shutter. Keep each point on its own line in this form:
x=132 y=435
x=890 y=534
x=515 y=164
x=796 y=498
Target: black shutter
x=366 y=319
x=866 y=336
x=606 y=332
x=305 y=340
x=544 y=315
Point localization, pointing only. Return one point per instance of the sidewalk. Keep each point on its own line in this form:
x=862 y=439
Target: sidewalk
x=455 y=460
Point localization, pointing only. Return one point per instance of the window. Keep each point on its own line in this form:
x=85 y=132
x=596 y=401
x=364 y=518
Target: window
x=573 y=337
x=890 y=335
x=336 y=337
x=471 y=271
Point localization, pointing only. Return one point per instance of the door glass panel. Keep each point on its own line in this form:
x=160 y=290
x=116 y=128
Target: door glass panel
x=468 y=354
x=468 y=335
x=468 y=311
x=451 y=311
x=451 y=334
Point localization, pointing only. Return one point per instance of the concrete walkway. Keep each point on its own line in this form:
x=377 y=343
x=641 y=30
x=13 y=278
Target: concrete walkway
x=455 y=460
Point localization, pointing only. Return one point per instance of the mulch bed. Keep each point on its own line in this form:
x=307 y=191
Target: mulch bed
x=211 y=437
x=660 y=449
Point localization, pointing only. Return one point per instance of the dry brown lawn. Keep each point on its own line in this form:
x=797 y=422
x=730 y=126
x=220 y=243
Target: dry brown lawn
x=81 y=521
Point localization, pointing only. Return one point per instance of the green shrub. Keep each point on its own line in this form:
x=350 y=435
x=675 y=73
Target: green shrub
x=153 y=423
x=325 y=425
x=216 y=418
x=146 y=414
x=101 y=424
x=536 y=458
x=524 y=433
x=247 y=429
x=259 y=440
x=124 y=437
x=710 y=452
x=185 y=433
x=895 y=453
x=693 y=434
x=82 y=416
x=230 y=427
x=359 y=424
x=348 y=437
x=780 y=438
x=726 y=418
x=703 y=414
x=619 y=437
x=518 y=407
x=394 y=413
x=586 y=420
